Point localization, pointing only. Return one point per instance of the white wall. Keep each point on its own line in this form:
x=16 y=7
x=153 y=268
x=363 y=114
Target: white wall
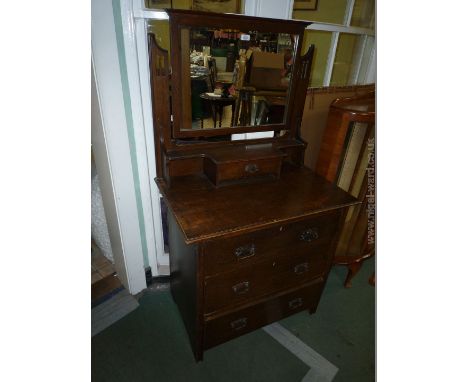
x=111 y=148
x=277 y=9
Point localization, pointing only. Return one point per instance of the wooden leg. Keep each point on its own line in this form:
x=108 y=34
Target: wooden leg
x=372 y=279
x=232 y=115
x=213 y=114
x=220 y=112
x=353 y=268
x=198 y=356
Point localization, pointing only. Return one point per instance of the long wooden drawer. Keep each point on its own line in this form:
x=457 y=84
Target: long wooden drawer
x=314 y=233
x=224 y=328
x=267 y=277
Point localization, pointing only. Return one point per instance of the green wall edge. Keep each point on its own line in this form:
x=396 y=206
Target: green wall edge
x=130 y=128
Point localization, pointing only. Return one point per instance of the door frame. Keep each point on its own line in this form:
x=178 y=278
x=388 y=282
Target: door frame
x=111 y=147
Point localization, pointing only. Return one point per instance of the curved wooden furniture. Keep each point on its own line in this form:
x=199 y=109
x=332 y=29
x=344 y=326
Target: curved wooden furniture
x=347 y=159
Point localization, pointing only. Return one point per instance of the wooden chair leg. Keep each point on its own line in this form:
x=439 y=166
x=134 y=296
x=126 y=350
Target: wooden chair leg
x=353 y=268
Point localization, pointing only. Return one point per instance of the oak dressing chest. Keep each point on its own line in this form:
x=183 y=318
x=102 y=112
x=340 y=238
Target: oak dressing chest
x=251 y=229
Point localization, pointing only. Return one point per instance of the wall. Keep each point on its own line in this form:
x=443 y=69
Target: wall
x=111 y=147
x=333 y=11
x=344 y=57
x=322 y=42
x=160 y=28
x=328 y=11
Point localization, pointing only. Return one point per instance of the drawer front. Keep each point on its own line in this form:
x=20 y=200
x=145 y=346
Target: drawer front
x=245 y=250
x=267 y=277
x=234 y=324
x=249 y=169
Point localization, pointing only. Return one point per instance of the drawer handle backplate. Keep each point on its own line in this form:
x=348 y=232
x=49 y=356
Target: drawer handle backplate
x=251 y=168
x=239 y=324
x=309 y=235
x=241 y=288
x=301 y=268
x=245 y=251
x=296 y=303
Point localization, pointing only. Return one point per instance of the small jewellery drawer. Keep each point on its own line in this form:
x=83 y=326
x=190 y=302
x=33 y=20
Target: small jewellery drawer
x=225 y=170
x=248 y=283
x=226 y=327
x=221 y=255
x=249 y=169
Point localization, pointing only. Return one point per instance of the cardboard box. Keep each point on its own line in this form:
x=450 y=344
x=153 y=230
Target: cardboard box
x=266 y=70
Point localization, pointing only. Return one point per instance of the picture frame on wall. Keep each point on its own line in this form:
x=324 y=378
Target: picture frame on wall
x=218 y=6
x=305 y=5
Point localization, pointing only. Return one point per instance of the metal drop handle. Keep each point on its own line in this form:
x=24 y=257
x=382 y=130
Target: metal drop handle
x=241 y=288
x=251 y=168
x=245 y=251
x=239 y=324
x=296 y=303
x=301 y=268
x=309 y=235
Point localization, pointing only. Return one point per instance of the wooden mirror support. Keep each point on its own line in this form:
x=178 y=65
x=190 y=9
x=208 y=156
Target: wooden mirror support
x=252 y=231
x=211 y=153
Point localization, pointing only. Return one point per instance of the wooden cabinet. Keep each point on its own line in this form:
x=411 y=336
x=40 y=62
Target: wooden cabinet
x=252 y=231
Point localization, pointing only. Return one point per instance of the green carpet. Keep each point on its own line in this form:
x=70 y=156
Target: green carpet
x=343 y=329
x=150 y=344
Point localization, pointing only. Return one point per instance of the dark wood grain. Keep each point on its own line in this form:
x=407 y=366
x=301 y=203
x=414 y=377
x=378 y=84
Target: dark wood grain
x=184 y=272
x=159 y=75
x=339 y=118
x=279 y=240
x=243 y=169
x=299 y=89
x=231 y=325
x=235 y=149
x=244 y=285
x=204 y=212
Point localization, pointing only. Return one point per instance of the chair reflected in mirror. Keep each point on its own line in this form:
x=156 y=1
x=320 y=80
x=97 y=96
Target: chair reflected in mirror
x=243 y=111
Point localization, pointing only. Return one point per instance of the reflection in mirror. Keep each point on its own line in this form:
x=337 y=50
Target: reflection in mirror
x=234 y=78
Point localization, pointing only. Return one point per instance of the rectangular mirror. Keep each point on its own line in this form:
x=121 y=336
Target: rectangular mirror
x=230 y=75
x=235 y=78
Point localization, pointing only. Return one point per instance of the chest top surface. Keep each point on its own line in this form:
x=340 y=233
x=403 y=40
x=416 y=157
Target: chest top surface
x=204 y=212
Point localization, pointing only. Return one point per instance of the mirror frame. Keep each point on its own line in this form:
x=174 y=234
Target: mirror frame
x=179 y=19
